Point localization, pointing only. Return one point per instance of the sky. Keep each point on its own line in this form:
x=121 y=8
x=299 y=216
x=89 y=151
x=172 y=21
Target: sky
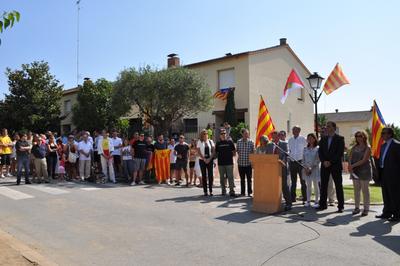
x=363 y=36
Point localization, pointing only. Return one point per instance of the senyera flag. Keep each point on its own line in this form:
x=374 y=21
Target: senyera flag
x=265 y=126
x=161 y=164
x=223 y=93
x=293 y=82
x=335 y=80
x=378 y=123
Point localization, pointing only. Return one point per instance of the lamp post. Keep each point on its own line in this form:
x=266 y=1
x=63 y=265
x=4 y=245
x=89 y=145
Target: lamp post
x=315 y=81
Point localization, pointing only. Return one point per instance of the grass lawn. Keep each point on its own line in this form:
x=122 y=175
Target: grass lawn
x=374 y=191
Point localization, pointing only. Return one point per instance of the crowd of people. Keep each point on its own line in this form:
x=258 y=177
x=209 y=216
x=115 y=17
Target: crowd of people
x=318 y=163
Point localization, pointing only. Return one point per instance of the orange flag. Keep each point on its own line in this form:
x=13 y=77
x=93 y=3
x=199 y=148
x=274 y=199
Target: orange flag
x=335 y=80
x=161 y=164
x=265 y=126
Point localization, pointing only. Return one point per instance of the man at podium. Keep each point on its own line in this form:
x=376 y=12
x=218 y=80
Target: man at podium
x=276 y=146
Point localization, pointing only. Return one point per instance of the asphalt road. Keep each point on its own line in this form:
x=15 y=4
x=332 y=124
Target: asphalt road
x=86 y=224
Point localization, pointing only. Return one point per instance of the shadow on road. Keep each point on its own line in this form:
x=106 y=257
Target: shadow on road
x=379 y=230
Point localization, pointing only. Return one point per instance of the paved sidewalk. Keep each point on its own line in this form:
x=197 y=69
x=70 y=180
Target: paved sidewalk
x=15 y=252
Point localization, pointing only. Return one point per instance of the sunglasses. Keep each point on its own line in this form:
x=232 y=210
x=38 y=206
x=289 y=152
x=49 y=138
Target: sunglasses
x=223 y=133
x=384 y=133
x=359 y=136
x=181 y=137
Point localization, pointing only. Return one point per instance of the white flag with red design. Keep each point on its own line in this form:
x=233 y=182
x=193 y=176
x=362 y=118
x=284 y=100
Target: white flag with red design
x=293 y=83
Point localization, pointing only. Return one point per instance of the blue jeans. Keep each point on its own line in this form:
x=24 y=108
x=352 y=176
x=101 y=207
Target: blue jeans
x=23 y=161
x=129 y=167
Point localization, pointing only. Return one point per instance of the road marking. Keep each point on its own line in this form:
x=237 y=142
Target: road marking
x=90 y=188
x=49 y=190
x=14 y=194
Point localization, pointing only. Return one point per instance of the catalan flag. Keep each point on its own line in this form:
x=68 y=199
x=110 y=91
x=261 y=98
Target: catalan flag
x=335 y=80
x=161 y=164
x=223 y=93
x=378 y=123
x=265 y=126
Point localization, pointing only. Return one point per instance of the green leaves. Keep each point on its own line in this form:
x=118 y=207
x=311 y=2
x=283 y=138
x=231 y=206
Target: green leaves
x=94 y=109
x=33 y=101
x=161 y=97
x=8 y=19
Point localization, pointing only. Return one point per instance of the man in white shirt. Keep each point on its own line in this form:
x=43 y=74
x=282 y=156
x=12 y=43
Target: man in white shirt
x=297 y=144
x=116 y=142
x=85 y=150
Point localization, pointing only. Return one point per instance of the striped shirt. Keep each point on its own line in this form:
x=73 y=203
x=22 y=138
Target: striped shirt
x=244 y=148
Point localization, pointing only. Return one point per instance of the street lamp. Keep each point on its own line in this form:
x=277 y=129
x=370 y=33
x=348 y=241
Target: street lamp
x=315 y=81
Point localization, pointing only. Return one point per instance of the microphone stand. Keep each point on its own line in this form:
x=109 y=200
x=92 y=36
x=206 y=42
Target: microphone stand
x=288 y=155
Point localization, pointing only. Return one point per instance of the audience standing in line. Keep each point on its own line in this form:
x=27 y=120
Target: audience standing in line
x=389 y=170
x=245 y=147
x=225 y=151
x=311 y=174
x=331 y=151
x=297 y=143
x=206 y=152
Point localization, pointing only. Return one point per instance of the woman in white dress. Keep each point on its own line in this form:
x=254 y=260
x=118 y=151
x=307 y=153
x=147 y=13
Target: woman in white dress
x=311 y=171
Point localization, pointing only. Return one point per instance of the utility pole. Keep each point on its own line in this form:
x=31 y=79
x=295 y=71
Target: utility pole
x=77 y=43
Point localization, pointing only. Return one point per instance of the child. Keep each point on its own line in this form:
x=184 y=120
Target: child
x=61 y=168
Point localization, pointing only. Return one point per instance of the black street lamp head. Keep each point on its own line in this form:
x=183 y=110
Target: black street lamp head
x=315 y=81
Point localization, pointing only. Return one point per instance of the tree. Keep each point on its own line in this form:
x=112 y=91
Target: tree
x=162 y=96
x=230 y=110
x=93 y=109
x=34 y=99
x=8 y=19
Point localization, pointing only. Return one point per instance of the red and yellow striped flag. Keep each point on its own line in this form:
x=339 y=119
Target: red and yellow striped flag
x=378 y=123
x=335 y=80
x=265 y=126
x=161 y=164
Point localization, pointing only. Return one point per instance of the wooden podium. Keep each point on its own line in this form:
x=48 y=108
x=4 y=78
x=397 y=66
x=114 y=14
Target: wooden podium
x=267 y=192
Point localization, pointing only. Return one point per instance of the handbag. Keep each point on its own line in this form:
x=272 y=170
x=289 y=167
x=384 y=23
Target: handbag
x=72 y=157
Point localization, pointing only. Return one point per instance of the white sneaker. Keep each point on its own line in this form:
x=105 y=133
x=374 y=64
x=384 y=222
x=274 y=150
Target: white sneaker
x=133 y=183
x=2 y=176
x=9 y=175
x=316 y=205
x=142 y=183
x=307 y=204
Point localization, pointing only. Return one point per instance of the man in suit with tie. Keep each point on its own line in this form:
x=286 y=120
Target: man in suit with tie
x=277 y=146
x=389 y=172
x=331 y=149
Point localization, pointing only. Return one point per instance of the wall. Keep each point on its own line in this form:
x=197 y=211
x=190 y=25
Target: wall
x=210 y=72
x=68 y=119
x=347 y=129
x=269 y=71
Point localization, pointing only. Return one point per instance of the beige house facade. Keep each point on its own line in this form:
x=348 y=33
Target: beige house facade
x=348 y=123
x=262 y=72
x=69 y=98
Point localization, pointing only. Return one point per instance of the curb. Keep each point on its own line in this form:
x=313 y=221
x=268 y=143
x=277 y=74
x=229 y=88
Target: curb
x=27 y=252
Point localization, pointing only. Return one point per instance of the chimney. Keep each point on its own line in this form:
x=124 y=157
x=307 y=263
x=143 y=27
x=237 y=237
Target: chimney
x=337 y=110
x=173 y=60
x=282 y=41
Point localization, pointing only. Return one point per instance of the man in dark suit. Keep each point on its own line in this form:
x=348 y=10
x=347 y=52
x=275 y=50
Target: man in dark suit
x=331 y=149
x=272 y=148
x=389 y=169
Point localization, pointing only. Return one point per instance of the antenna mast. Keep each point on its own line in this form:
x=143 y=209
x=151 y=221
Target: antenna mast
x=77 y=43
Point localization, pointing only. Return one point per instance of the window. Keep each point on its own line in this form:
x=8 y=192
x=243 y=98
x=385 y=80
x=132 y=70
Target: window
x=67 y=106
x=226 y=78
x=66 y=129
x=300 y=95
x=190 y=124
